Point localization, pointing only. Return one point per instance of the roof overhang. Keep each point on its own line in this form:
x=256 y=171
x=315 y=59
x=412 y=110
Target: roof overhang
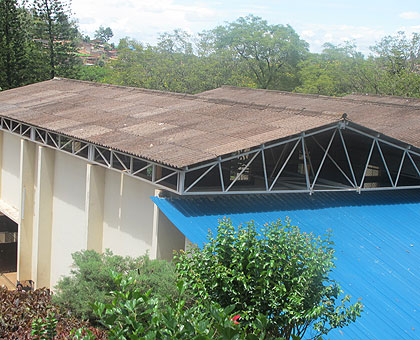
x=189 y=180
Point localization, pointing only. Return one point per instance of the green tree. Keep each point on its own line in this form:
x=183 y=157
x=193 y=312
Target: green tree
x=171 y=66
x=271 y=52
x=13 y=58
x=94 y=73
x=177 y=42
x=104 y=34
x=337 y=71
x=397 y=64
x=278 y=271
x=56 y=35
x=398 y=52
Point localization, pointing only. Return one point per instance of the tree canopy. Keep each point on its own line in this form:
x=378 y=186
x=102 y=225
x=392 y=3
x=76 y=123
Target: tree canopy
x=56 y=34
x=40 y=40
x=13 y=57
x=269 y=51
x=104 y=34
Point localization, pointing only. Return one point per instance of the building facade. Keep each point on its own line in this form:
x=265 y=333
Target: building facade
x=94 y=166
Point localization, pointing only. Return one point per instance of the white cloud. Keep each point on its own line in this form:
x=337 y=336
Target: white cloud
x=142 y=19
x=410 y=15
x=363 y=36
x=307 y=34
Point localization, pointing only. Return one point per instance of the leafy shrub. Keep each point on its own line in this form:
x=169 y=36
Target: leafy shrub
x=279 y=271
x=91 y=280
x=172 y=320
x=20 y=310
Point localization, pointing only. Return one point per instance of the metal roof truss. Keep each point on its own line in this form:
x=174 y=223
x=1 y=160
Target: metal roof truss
x=308 y=163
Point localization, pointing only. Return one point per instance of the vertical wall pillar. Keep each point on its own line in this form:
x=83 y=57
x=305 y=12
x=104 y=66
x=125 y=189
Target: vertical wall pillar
x=41 y=261
x=95 y=190
x=155 y=231
x=26 y=209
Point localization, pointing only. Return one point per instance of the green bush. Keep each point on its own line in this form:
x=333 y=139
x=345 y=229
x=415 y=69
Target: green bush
x=278 y=271
x=134 y=315
x=91 y=280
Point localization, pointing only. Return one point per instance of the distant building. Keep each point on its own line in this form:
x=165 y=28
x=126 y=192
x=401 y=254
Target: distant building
x=94 y=166
x=91 y=52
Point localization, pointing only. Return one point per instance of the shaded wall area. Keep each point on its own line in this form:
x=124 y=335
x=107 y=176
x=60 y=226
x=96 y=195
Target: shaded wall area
x=8 y=245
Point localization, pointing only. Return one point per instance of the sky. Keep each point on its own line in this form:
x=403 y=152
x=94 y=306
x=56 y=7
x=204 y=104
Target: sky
x=317 y=21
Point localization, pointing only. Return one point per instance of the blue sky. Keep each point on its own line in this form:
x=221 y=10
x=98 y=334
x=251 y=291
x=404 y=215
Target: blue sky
x=317 y=22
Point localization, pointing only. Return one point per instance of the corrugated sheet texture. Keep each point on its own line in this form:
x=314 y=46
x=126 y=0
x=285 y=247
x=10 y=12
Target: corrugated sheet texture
x=181 y=130
x=377 y=243
x=395 y=117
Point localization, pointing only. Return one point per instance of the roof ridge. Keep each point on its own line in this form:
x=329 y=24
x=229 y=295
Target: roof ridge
x=380 y=96
x=133 y=88
x=343 y=99
x=260 y=106
x=192 y=96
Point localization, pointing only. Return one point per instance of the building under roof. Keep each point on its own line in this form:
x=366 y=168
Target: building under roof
x=80 y=162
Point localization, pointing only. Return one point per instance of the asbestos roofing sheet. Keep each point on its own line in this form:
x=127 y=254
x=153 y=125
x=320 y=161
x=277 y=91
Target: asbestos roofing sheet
x=210 y=124
x=385 y=99
x=377 y=246
x=390 y=116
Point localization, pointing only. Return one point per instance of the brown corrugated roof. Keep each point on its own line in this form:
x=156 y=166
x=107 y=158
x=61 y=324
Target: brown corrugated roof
x=180 y=130
x=396 y=117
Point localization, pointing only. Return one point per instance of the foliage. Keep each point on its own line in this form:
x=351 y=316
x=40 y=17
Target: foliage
x=91 y=280
x=397 y=63
x=331 y=72
x=126 y=317
x=45 y=329
x=171 y=66
x=278 y=271
x=339 y=70
x=93 y=73
x=39 y=40
x=270 y=51
x=104 y=34
x=56 y=35
x=13 y=58
x=27 y=314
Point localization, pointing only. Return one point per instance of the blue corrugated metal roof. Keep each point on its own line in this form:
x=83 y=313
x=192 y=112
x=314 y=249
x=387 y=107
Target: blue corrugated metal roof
x=377 y=243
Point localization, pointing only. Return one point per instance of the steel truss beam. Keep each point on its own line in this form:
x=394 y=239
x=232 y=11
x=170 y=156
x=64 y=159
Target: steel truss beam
x=313 y=181
x=274 y=180
x=130 y=165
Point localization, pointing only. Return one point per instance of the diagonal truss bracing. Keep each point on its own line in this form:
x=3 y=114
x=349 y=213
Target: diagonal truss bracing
x=160 y=175
x=324 y=159
x=316 y=179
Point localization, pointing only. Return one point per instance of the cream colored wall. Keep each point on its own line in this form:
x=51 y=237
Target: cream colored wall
x=41 y=257
x=69 y=231
x=72 y=205
x=128 y=214
x=95 y=187
x=169 y=238
x=10 y=182
x=28 y=165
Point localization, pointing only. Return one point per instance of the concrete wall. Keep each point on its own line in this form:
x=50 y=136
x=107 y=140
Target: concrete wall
x=10 y=154
x=69 y=232
x=41 y=250
x=128 y=214
x=169 y=238
x=65 y=204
